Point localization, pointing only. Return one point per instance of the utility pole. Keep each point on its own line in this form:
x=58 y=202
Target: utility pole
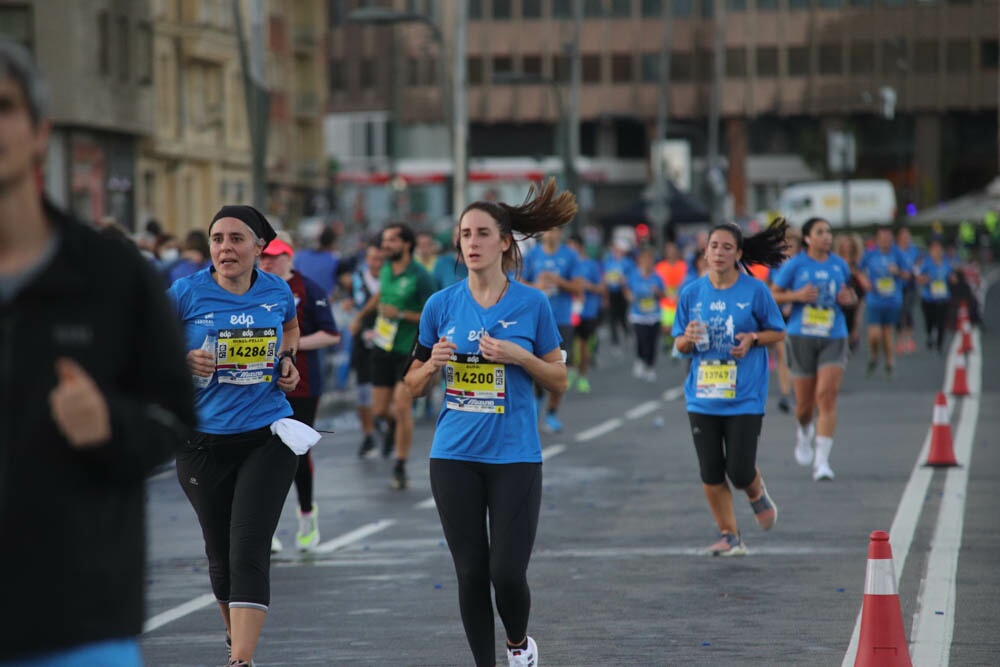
x=573 y=114
x=255 y=93
x=460 y=113
x=715 y=179
x=658 y=212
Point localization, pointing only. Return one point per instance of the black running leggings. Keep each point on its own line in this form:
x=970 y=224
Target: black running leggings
x=237 y=485
x=935 y=317
x=617 y=313
x=726 y=447
x=510 y=495
x=304 y=410
x=647 y=338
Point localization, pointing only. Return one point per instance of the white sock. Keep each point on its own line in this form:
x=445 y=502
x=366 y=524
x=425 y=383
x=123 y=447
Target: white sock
x=823 y=446
x=804 y=432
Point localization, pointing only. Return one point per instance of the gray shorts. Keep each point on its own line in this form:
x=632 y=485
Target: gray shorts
x=807 y=354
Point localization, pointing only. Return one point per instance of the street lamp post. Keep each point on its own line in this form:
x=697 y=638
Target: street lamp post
x=375 y=15
x=564 y=142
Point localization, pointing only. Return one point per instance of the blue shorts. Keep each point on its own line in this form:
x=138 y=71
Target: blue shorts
x=108 y=653
x=885 y=316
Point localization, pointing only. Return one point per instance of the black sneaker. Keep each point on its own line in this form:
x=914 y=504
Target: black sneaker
x=870 y=370
x=367 y=445
x=399 y=478
x=389 y=440
x=784 y=405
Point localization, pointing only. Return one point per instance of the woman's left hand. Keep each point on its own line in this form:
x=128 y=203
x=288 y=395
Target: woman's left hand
x=846 y=296
x=745 y=343
x=500 y=351
x=289 y=378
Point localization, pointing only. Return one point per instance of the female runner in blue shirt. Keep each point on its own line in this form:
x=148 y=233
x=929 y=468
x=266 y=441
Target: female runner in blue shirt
x=816 y=284
x=242 y=334
x=493 y=337
x=725 y=320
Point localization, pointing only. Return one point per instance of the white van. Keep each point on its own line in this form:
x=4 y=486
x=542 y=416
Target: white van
x=872 y=202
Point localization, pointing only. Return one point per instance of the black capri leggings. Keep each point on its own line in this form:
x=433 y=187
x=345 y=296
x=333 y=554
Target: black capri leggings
x=647 y=340
x=935 y=318
x=511 y=495
x=726 y=447
x=237 y=485
x=304 y=410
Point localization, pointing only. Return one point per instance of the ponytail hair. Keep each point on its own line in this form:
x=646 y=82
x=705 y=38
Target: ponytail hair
x=766 y=247
x=543 y=209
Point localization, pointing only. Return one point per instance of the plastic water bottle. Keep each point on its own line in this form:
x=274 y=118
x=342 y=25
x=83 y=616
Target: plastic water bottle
x=702 y=344
x=209 y=346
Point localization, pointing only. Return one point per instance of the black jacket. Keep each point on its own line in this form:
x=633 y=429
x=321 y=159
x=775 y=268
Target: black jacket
x=72 y=522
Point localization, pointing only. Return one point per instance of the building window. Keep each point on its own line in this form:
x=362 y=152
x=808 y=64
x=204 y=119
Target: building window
x=862 y=3
x=958 y=56
x=591 y=66
x=104 y=43
x=707 y=8
x=474 y=70
x=767 y=61
x=531 y=9
x=894 y=58
x=475 y=9
x=649 y=67
x=798 y=61
x=502 y=65
x=124 y=48
x=336 y=74
x=736 y=5
x=335 y=13
x=830 y=3
x=894 y=3
x=532 y=65
x=431 y=70
x=621 y=68
x=15 y=22
x=593 y=8
x=683 y=7
x=621 y=9
x=144 y=53
x=830 y=59
x=925 y=57
x=989 y=53
x=800 y=4
x=681 y=67
x=736 y=63
x=562 y=9
x=501 y=10
x=367 y=73
x=412 y=72
x=767 y=5
x=862 y=57
x=651 y=8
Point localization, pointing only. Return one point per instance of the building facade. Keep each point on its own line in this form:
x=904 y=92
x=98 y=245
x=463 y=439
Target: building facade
x=792 y=71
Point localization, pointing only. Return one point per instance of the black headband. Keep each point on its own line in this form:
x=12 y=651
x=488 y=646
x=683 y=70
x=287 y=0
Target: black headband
x=253 y=219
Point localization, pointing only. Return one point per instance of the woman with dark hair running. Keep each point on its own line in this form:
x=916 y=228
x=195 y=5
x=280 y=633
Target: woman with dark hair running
x=726 y=320
x=493 y=337
x=817 y=285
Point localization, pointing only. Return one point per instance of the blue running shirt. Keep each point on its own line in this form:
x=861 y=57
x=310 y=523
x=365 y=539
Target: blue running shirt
x=937 y=289
x=824 y=318
x=645 y=306
x=242 y=395
x=563 y=262
x=616 y=271
x=745 y=306
x=590 y=269
x=489 y=414
x=887 y=289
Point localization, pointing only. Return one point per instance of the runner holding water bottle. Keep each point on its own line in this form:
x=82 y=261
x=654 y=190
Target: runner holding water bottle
x=725 y=320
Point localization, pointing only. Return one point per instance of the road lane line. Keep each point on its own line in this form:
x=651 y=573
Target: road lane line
x=599 y=430
x=904 y=524
x=934 y=622
x=642 y=409
x=179 y=611
x=673 y=393
x=552 y=451
x=354 y=535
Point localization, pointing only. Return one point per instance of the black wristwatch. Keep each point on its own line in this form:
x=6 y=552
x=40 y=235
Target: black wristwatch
x=287 y=354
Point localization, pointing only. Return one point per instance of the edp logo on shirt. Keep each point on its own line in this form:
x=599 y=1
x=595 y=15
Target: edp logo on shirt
x=242 y=319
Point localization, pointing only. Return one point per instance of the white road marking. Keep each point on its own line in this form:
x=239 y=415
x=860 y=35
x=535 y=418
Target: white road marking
x=642 y=409
x=599 y=430
x=354 y=535
x=552 y=451
x=179 y=611
x=427 y=504
x=673 y=393
x=934 y=622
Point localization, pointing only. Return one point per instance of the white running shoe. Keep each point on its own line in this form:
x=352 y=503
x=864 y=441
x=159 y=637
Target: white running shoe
x=276 y=545
x=523 y=657
x=823 y=472
x=804 y=446
x=308 y=534
x=638 y=369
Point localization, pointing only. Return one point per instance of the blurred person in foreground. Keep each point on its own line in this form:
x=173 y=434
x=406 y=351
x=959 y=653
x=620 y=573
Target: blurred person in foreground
x=88 y=412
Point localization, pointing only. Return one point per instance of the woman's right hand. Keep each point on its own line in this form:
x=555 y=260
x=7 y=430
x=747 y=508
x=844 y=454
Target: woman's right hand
x=201 y=363
x=441 y=353
x=807 y=293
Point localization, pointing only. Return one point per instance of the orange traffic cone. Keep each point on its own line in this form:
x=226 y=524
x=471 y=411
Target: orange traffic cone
x=960 y=383
x=966 y=328
x=942 y=453
x=882 y=642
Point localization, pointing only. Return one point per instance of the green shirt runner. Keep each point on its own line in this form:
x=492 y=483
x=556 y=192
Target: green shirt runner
x=408 y=292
